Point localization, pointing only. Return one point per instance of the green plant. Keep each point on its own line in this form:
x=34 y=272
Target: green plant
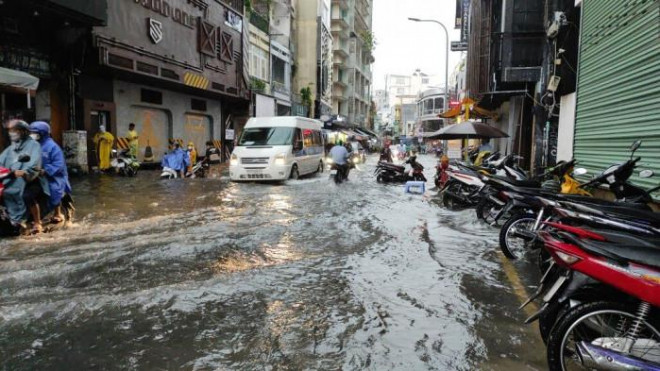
x=257 y=85
x=248 y=6
x=306 y=98
x=369 y=40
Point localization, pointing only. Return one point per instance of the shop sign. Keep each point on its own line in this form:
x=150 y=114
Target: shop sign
x=229 y=134
x=163 y=8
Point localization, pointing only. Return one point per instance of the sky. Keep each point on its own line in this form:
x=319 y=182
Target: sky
x=403 y=46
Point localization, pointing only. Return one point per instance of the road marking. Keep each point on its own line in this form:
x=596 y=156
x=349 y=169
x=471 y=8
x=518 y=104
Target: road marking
x=516 y=283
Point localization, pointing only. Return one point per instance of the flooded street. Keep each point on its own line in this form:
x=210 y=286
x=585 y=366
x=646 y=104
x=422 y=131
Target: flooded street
x=208 y=274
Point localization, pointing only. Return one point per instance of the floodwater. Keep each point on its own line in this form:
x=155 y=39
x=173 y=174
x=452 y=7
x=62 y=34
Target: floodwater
x=206 y=274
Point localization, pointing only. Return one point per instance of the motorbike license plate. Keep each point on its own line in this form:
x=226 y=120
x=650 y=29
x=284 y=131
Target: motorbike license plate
x=554 y=289
x=333 y=172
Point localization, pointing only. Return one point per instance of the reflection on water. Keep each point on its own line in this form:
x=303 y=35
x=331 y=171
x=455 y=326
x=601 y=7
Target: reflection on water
x=206 y=274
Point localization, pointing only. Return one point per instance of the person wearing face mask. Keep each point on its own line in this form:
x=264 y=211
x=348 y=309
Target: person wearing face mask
x=24 y=188
x=192 y=155
x=103 y=141
x=53 y=168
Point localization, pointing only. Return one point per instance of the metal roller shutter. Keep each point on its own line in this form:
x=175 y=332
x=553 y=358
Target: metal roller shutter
x=618 y=96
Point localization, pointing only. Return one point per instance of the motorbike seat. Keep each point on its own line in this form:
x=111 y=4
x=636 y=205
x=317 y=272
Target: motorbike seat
x=516 y=185
x=392 y=166
x=641 y=212
x=622 y=247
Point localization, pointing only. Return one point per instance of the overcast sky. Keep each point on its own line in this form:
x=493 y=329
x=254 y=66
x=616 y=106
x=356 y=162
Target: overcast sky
x=403 y=45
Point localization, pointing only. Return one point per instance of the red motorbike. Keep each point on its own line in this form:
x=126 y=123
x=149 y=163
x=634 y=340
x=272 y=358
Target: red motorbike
x=604 y=286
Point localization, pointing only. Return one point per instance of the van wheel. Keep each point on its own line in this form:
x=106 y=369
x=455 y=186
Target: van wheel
x=294 y=173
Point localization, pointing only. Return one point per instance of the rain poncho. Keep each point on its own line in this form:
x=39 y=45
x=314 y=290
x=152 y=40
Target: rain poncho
x=52 y=161
x=177 y=160
x=12 y=196
x=133 y=143
x=103 y=141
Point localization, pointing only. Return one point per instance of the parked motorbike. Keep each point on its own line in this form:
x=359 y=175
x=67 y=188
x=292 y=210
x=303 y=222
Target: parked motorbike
x=124 y=164
x=9 y=230
x=529 y=207
x=390 y=173
x=600 y=299
x=201 y=168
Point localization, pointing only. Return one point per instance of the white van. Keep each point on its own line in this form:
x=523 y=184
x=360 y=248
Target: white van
x=277 y=148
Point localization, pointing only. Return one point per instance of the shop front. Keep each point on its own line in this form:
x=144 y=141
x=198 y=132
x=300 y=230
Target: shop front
x=174 y=69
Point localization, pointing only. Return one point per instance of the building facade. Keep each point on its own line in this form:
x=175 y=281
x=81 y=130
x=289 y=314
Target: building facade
x=46 y=39
x=313 y=56
x=175 y=69
x=352 y=58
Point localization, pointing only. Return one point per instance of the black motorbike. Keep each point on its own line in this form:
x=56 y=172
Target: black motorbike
x=387 y=172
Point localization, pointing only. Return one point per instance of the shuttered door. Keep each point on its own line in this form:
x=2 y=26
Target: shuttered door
x=619 y=85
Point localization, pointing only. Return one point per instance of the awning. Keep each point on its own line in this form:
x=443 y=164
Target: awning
x=18 y=79
x=352 y=134
x=365 y=132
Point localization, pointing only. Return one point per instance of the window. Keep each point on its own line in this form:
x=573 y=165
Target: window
x=439 y=104
x=308 y=138
x=259 y=66
x=400 y=81
x=151 y=96
x=198 y=104
x=266 y=137
x=428 y=106
x=425 y=80
x=399 y=91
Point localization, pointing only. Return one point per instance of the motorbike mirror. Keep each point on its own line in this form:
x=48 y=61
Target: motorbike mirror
x=580 y=171
x=635 y=146
x=24 y=158
x=646 y=173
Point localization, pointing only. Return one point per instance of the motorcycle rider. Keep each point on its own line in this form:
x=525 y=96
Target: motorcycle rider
x=192 y=157
x=339 y=156
x=22 y=191
x=53 y=168
x=177 y=160
x=386 y=153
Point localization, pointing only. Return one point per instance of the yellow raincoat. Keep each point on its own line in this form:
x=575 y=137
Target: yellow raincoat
x=133 y=142
x=103 y=142
x=193 y=156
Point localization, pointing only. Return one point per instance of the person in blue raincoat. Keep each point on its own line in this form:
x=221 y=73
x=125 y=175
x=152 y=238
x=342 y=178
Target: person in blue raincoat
x=24 y=189
x=53 y=168
x=177 y=160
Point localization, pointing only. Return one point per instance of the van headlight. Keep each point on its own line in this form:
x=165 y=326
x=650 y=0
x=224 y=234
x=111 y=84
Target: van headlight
x=280 y=160
x=233 y=161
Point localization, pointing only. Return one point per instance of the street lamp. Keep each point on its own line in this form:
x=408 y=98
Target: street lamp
x=446 y=56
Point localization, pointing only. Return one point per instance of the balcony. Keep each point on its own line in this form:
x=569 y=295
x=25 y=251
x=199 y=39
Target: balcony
x=340 y=20
x=236 y=5
x=338 y=47
x=259 y=22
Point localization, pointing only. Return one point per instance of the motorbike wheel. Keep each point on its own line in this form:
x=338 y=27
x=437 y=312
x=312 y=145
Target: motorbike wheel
x=594 y=320
x=515 y=247
x=380 y=178
x=448 y=201
x=484 y=210
x=130 y=172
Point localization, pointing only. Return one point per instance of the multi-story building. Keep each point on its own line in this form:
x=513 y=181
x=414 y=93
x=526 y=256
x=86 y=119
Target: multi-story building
x=174 y=68
x=353 y=44
x=313 y=55
x=270 y=57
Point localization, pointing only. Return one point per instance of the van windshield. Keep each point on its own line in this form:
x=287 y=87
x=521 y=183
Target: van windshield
x=266 y=137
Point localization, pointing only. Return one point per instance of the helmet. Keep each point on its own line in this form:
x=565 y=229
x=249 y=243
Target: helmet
x=18 y=124
x=191 y=144
x=40 y=127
